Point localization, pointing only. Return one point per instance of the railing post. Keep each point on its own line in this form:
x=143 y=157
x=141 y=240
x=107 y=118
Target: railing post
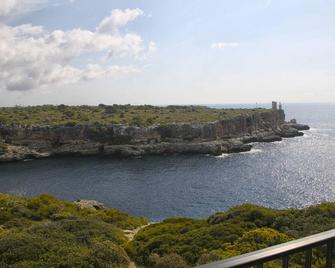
x=308 y=258
x=330 y=248
x=285 y=262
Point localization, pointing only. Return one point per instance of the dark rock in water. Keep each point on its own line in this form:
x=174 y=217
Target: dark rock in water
x=269 y=138
x=213 y=148
x=249 y=139
x=90 y=204
x=290 y=132
x=17 y=153
x=300 y=126
x=293 y=124
x=238 y=148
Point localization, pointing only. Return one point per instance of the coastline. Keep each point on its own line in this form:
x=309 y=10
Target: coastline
x=122 y=141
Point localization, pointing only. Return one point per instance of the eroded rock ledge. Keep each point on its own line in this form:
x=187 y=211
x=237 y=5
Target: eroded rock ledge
x=214 y=138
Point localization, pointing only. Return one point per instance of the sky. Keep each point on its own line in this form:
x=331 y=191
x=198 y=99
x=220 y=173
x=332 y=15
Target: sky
x=166 y=52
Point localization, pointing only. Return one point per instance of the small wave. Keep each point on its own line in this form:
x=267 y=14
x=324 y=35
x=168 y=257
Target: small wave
x=326 y=129
x=278 y=141
x=325 y=135
x=222 y=156
x=318 y=129
x=253 y=151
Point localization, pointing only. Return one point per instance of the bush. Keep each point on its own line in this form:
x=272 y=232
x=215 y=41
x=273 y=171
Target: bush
x=168 y=261
x=143 y=115
x=239 y=230
x=258 y=239
x=70 y=124
x=46 y=232
x=208 y=258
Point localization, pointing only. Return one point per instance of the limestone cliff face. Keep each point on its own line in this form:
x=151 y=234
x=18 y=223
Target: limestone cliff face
x=119 y=140
x=224 y=129
x=50 y=137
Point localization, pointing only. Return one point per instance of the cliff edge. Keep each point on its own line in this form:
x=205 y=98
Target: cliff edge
x=230 y=135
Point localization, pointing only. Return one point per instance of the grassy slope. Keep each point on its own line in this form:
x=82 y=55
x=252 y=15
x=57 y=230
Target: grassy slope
x=117 y=114
x=46 y=232
x=240 y=230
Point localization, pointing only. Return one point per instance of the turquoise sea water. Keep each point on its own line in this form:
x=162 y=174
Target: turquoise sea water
x=293 y=173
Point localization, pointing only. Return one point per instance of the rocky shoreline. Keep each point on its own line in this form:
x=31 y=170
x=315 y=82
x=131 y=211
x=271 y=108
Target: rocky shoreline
x=213 y=138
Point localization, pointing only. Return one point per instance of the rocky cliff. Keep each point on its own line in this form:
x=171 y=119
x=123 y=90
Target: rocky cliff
x=222 y=136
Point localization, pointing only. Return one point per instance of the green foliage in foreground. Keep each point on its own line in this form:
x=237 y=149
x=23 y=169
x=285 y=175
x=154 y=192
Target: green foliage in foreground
x=143 y=115
x=46 y=232
x=239 y=230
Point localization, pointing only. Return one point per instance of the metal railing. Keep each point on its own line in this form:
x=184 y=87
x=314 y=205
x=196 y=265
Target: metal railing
x=283 y=251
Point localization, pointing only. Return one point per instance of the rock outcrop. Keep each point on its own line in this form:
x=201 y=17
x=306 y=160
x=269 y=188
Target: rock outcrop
x=18 y=153
x=222 y=136
x=93 y=204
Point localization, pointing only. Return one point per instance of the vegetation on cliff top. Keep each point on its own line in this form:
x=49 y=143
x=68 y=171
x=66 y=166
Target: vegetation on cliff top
x=46 y=232
x=142 y=115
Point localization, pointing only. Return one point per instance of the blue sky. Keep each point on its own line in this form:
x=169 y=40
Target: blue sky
x=192 y=51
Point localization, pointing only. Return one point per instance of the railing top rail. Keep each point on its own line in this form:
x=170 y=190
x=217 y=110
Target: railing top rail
x=273 y=252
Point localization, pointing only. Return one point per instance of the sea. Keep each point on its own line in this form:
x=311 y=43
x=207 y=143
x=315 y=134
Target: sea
x=295 y=172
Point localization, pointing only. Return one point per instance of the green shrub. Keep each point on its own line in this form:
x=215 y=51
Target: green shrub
x=141 y=115
x=239 y=230
x=258 y=239
x=46 y=232
x=168 y=261
x=208 y=258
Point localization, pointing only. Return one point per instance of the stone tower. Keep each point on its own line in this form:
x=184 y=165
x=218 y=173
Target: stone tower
x=274 y=105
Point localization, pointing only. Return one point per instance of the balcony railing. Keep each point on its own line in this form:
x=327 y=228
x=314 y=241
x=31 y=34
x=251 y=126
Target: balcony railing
x=282 y=252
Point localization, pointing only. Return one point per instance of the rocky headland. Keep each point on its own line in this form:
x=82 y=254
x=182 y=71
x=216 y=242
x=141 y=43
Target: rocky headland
x=233 y=135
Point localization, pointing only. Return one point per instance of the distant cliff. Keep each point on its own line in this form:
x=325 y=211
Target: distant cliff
x=221 y=136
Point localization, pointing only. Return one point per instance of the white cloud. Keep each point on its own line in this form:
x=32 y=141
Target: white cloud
x=152 y=47
x=15 y=7
x=117 y=19
x=221 y=45
x=6 y=6
x=94 y=71
x=12 y=8
x=32 y=57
